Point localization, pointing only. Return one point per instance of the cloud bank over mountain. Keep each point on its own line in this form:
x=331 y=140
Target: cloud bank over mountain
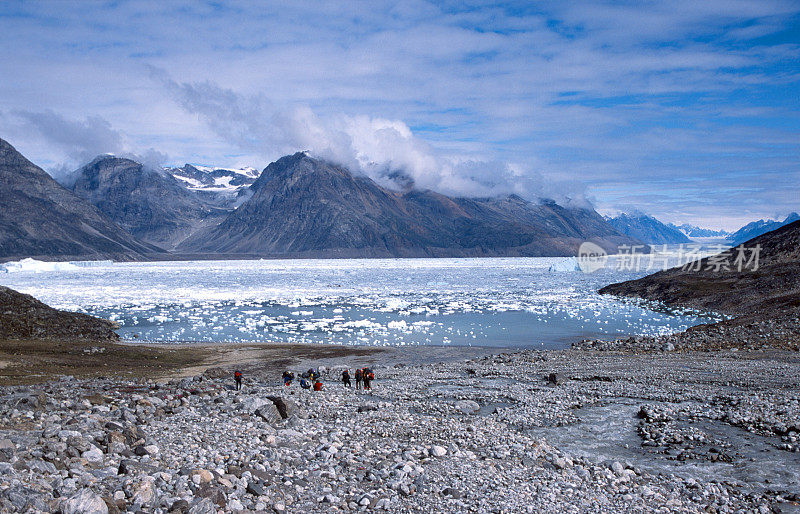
x=385 y=150
x=686 y=110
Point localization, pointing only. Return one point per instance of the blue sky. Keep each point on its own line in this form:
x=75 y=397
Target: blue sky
x=686 y=110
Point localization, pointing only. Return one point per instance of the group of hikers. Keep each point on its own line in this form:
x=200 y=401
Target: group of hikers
x=364 y=375
x=311 y=379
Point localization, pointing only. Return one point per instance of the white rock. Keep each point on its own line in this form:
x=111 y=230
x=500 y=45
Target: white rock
x=438 y=451
x=93 y=454
x=144 y=492
x=84 y=502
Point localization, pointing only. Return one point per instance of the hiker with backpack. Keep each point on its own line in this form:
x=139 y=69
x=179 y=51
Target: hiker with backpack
x=237 y=378
x=358 y=378
x=346 y=378
x=367 y=376
x=288 y=376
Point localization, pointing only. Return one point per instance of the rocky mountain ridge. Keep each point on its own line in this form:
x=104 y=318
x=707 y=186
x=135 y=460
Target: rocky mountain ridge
x=40 y=218
x=756 y=228
x=761 y=292
x=149 y=203
x=306 y=207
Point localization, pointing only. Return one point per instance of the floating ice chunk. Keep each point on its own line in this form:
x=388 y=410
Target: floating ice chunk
x=32 y=265
x=398 y=325
x=565 y=265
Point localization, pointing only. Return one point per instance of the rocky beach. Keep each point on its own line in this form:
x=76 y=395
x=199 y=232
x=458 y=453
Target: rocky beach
x=569 y=431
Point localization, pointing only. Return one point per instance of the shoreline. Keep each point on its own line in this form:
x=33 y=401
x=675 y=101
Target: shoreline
x=36 y=361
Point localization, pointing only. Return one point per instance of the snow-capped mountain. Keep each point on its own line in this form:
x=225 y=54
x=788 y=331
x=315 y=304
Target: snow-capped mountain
x=695 y=231
x=149 y=203
x=224 y=187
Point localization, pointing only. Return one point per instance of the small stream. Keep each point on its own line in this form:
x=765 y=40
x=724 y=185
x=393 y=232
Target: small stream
x=608 y=433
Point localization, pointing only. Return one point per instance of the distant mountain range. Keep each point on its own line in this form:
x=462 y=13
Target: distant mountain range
x=299 y=206
x=756 y=228
x=40 y=218
x=695 y=231
x=646 y=228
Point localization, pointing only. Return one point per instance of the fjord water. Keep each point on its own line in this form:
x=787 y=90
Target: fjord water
x=508 y=302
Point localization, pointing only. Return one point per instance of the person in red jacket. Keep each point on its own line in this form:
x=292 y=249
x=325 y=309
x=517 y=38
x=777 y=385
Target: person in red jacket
x=317 y=386
x=237 y=377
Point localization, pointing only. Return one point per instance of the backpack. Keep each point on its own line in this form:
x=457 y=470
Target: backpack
x=238 y=374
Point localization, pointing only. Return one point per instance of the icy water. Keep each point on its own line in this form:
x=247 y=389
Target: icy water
x=507 y=302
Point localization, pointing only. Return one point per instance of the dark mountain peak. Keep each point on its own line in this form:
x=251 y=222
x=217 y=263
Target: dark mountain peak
x=41 y=218
x=150 y=203
x=6 y=150
x=299 y=170
x=111 y=159
x=113 y=164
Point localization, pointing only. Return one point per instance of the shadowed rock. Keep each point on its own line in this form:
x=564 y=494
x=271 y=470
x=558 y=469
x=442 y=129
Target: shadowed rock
x=24 y=317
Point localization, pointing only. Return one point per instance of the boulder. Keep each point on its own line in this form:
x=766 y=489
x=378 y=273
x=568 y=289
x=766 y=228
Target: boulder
x=144 y=491
x=202 y=506
x=251 y=404
x=269 y=413
x=179 y=507
x=7 y=450
x=438 y=451
x=84 y=502
x=287 y=407
x=134 y=467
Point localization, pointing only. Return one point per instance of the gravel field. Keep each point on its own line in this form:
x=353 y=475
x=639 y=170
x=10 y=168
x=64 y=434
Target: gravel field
x=569 y=431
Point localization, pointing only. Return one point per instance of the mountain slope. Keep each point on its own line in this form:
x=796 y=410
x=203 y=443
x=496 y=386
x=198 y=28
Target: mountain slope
x=776 y=282
x=24 y=317
x=150 y=204
x=764 y=303
x=756 y=228
x=647 y=228
x=40 y=218
x=303 y=206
